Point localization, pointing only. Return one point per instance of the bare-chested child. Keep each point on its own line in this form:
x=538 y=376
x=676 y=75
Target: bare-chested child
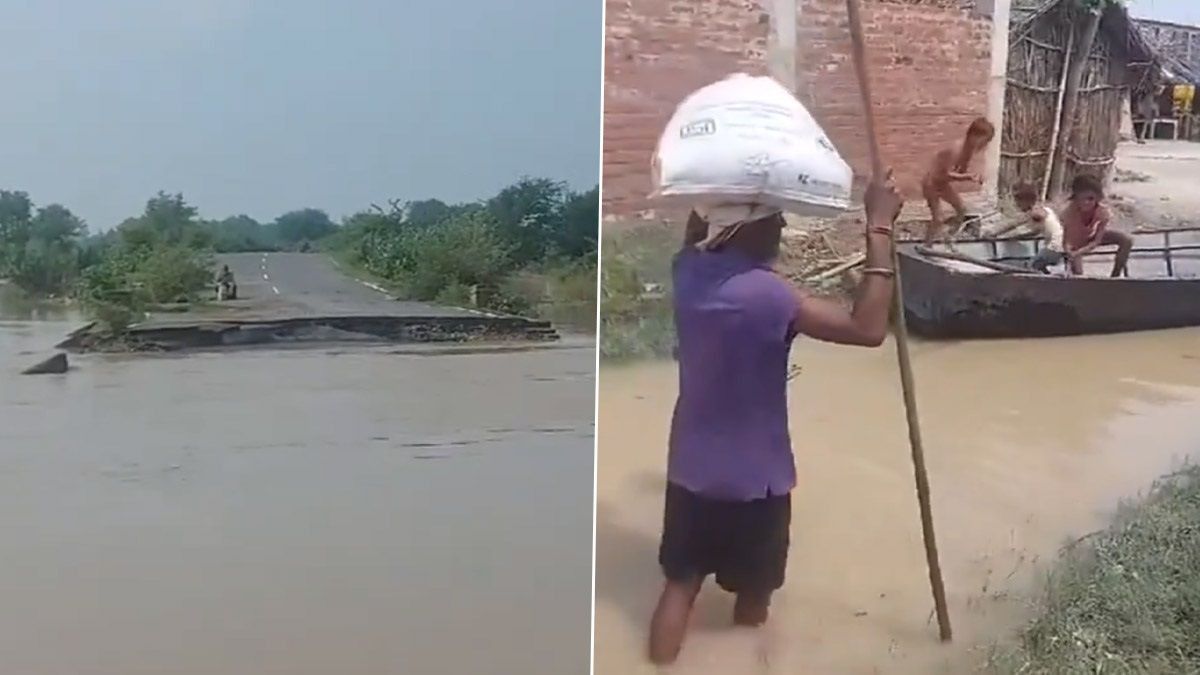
x=953 y=165
x=1042 y=220
x=1085 y=221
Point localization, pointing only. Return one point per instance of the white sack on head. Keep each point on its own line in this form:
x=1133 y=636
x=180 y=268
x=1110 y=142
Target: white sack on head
x=748 y=140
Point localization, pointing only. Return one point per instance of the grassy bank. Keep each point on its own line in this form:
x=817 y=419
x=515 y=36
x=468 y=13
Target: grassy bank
x=635 y=291
x=529 y=250
x=561 y=292
x=1124 y=600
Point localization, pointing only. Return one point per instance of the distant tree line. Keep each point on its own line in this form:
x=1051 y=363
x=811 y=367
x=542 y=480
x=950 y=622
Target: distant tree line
x=428 y=249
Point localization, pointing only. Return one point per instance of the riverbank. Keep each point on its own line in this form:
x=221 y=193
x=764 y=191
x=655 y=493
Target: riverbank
x=1125 y=599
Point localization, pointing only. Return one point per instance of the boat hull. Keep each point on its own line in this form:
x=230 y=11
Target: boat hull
x=941 y=302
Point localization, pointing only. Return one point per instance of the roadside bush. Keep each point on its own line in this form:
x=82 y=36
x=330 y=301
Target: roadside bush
x=467 y=251
x=172 y=274
x=530 y=249
x=635 y=311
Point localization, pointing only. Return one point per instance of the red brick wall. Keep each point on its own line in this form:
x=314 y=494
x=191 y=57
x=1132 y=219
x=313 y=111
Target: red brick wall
x=656 y=52
x=929 y=64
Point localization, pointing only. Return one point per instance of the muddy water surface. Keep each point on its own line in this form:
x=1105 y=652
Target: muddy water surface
x=1029 y=443
x=348 y=510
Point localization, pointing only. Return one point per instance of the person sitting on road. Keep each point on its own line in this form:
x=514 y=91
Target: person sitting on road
x=1085 y=221
x=226 y=276
x=1042 y=220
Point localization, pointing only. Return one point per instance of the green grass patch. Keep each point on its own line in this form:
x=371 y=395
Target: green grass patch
x=1124 y=600
x=562 y=292
x=636 y=321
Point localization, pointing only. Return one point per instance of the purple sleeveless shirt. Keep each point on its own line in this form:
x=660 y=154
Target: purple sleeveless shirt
x=729 y=434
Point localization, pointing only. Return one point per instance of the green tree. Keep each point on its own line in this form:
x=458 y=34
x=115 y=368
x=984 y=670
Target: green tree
x=38 y=251
x=54 y=224
x=578 y=225
x=16 y=211
x=528 y=213
x=304 y=225
x=168 y=220
x=427 y=212
x=242 y=233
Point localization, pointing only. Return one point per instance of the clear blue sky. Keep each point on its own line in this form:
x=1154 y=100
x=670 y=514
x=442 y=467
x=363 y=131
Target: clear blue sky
x=1177 y=11
x=262 y=106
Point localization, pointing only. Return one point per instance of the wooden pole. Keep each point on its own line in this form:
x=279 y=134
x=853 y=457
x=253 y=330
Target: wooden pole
x=1075 y=71
x=901 y=330
x=1058 y=110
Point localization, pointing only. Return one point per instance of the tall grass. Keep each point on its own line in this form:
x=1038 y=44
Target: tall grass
x=1125 y=600
x=635 y=288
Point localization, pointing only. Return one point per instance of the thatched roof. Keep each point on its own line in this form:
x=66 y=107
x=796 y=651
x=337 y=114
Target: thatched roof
x=1118 y=25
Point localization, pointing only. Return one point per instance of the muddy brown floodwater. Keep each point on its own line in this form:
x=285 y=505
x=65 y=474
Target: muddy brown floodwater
x=356 y=510
x=1029 y=444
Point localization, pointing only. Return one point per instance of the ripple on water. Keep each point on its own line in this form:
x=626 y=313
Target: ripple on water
x=1029 y=443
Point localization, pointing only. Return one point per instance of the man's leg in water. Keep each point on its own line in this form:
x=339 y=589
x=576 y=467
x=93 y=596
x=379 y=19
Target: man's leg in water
x=690 y=528
x=669 y=625
x=757 y=562
x=752 y=608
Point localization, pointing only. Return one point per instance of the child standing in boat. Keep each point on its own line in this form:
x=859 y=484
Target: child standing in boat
x=953 y=165
x=1042 y=220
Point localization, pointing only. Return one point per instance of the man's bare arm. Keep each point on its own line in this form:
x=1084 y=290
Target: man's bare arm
x=867 y=323
x=1002 y=229
x=943 y=168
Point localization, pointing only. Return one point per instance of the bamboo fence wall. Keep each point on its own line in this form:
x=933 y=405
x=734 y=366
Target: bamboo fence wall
x=1038 y=57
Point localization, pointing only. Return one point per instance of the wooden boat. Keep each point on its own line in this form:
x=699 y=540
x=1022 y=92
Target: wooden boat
x=949 y=297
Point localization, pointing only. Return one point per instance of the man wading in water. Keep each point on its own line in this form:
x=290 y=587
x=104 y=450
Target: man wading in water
x=730 y=468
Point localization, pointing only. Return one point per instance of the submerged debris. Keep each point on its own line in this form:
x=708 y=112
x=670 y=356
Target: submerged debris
x=55 y=365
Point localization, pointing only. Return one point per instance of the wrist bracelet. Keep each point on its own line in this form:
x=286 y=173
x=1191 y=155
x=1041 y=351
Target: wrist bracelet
x=880 y=271
x=880 y=229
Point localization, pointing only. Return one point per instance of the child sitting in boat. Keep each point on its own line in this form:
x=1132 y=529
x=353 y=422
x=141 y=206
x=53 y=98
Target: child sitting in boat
x=1043 y=221
x=1085 y=222
x=953 y=165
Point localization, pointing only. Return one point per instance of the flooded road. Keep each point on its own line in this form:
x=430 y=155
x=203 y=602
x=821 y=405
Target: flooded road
x=352 y=509
x=1029 y=444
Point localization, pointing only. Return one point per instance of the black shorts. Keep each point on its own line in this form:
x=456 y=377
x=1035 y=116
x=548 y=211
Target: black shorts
x=744 y=544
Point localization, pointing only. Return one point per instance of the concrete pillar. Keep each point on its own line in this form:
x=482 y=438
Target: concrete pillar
x=781 y=41
x=781 y=56
x=1126 y=130
x=1000 y=11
